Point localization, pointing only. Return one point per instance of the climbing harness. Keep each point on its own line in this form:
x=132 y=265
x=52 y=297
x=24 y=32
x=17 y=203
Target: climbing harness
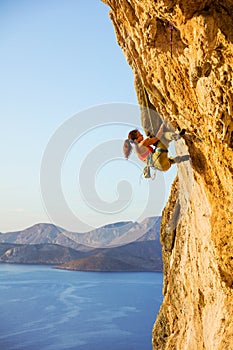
x=161 y=150
x=147 y=171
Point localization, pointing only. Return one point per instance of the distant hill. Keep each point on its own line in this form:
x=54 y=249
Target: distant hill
x=116 y=234
x=37 y=254
x=123 y=246
x=42 y=234
x=136 y=256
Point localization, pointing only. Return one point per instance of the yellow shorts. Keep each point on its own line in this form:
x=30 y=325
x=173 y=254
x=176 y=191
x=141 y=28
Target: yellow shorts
x=160 y=159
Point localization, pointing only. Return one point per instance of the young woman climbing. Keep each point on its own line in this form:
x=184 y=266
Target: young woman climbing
x=143 y=147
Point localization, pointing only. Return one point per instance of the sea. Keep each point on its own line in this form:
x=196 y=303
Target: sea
x=43 y=308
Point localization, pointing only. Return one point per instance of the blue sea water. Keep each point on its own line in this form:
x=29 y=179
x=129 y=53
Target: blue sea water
x=42 y=308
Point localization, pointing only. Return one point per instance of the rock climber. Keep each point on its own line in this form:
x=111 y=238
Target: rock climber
x=158 y=155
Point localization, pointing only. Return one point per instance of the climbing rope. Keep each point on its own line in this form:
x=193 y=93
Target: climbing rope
x=171 y=40
x=171 y=28
x=141 y=81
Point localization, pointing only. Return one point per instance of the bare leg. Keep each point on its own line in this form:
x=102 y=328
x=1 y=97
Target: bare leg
x=167 y=138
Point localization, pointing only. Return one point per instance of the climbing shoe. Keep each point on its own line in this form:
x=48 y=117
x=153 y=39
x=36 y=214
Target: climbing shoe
x=175 y=137
x=171 y=160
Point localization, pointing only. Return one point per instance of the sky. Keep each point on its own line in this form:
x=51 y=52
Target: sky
x=67 y=104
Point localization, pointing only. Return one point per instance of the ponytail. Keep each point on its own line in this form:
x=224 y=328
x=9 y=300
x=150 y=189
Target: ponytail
x=127 y=148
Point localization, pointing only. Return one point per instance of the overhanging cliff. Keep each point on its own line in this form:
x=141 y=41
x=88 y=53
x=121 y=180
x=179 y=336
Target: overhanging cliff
x=181 y=53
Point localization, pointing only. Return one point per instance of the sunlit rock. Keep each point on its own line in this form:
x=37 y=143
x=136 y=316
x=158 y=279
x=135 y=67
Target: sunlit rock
x=181 y=53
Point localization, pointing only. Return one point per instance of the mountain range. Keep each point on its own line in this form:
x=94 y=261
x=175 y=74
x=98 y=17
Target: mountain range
x=121 y=246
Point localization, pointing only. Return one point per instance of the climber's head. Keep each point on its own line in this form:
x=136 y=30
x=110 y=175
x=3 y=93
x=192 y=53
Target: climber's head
x=135 y=136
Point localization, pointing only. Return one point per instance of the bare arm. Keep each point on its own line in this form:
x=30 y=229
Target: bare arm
x=150 y=141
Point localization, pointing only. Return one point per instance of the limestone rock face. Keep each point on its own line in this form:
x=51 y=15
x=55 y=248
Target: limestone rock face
x=181 y=53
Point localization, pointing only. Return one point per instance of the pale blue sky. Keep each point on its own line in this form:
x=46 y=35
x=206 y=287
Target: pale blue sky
x=58 y=59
